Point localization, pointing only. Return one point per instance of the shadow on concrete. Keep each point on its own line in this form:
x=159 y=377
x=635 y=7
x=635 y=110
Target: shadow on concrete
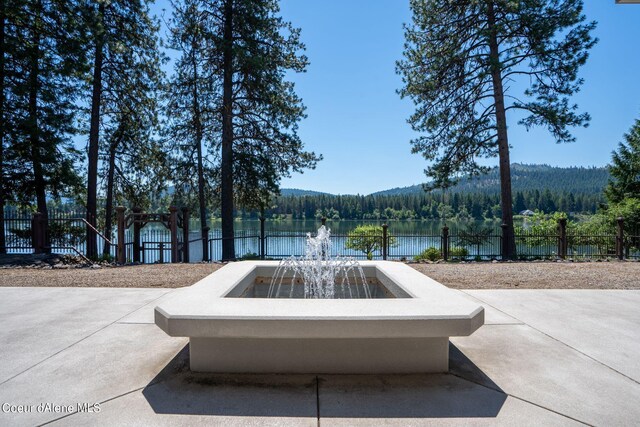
x=461 y=366
x=465 y=392
x=177 y=390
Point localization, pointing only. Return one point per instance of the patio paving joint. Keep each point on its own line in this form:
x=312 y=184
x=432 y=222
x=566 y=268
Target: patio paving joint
x=495 y=308
x=505 y=324
x=557 y=340
x=318 y=400
x=550 y=410
x=498 y=390
x=462 y=377
x=79 y=341
x=120 y=320
x=101 y=403
x=132 y=323
x=585 y=354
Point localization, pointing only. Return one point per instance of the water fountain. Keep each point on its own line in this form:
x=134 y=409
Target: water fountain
x=318 y=314
x=319 y=274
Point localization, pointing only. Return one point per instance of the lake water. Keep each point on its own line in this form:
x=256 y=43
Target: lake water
x=286 y=238
x=344 y=226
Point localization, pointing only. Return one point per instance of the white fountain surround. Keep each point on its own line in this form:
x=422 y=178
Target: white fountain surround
x=405 y=334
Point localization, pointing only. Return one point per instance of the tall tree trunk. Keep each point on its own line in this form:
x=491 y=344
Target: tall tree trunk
x=94 y=134
x=3 y=246
x=108 y=208
x=226 y=184
x=197 y=121
x=39 y=184
x=503 y=141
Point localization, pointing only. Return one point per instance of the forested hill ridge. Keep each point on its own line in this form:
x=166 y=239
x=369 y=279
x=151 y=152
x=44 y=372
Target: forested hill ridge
x=576 y=180
x=535 y=187
x=298 y=192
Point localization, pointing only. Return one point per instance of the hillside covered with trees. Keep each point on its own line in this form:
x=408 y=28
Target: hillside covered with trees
x=524 y=178
x=536 y=187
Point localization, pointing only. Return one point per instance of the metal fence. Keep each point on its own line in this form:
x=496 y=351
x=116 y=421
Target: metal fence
x=458 y=244
x=17 y=231
x=410 y=246
x=67 y=234
x=65 y=231
x=246 y=243
x=452 y=245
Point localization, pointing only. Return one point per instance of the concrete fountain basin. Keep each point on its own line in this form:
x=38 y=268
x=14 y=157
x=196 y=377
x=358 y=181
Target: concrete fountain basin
x=407 y=331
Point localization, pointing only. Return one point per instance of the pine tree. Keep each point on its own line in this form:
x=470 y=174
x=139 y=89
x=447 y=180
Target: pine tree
x=47 y=61
x=125 y=74
x=458 y=57
x=625 y=168
x=133 y=160
x=193 y=126
x=5 y=51
x=249 y=49
x=260 y=110
x=15 y=183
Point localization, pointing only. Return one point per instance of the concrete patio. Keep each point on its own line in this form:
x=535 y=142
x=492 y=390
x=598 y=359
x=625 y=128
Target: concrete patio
x=544 y=357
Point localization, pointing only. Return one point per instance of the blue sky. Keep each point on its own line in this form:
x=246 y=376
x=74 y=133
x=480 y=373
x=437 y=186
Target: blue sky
x=358 y=122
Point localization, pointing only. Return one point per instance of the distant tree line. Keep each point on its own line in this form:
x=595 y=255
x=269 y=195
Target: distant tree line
x=426 y=205
x=524 y=177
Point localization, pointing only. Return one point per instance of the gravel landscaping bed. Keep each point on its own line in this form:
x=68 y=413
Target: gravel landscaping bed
x=509 y=275
x=130 y=276
x=536 y=275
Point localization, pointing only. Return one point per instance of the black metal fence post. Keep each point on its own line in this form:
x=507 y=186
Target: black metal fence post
x=262 y=238
x=120 y=220
x=185 y=234
x=445 y=243
x=620 y=239
x=38 y=232
x=505 y=242
x=3 y=242
x=173 y=222
x=385 y=241
x=205 y=245
x=562 y=238
x=34 y=233
x=137 y=226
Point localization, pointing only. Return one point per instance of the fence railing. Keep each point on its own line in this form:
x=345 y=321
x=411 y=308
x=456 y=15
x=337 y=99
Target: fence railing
x=66 y=233
x=17 y=229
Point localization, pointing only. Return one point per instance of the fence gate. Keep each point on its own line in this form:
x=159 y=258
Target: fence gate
x=138 y=219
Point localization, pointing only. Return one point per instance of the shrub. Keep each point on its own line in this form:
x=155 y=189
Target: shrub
x=250 y=256
x=103 y=257
x=458 y=252
x=431 y=254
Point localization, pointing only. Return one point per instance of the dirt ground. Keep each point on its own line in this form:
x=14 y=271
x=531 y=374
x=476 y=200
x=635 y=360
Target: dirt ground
x=517 y=275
